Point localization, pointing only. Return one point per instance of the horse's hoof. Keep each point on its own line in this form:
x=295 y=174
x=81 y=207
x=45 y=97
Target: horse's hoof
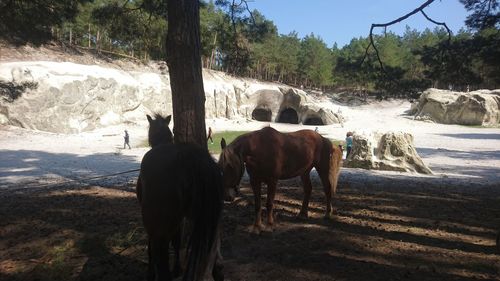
x=255 y=229
x=217 y=272
x=268 y=228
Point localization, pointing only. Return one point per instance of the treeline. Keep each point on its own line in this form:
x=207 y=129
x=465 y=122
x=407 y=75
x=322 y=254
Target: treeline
x=244 y=42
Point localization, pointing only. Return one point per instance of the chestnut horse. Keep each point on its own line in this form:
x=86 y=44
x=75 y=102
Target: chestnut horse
x=177 y=182
x=270 y=156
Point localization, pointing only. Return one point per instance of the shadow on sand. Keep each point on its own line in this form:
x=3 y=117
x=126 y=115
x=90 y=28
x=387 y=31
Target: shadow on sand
x=30 y=167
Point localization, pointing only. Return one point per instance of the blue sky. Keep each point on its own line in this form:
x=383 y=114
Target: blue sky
x=341 y=20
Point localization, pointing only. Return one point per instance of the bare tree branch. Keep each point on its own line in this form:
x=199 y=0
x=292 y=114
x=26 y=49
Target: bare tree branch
x=248 y=10
x=438 y=23
x=234 y=6
x=400 y=19
x=127 y=9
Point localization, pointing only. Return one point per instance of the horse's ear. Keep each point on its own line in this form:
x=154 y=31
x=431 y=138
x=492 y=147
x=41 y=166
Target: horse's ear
x=168 y=119
x=149 y=118
x=223 y=143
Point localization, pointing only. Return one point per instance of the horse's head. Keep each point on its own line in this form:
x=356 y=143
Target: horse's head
x=159 y=132
x=232 y=168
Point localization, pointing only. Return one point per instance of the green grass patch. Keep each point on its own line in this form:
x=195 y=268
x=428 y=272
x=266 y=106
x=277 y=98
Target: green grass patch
x=120 y=240
x=57 y=263
x=229 y=136
x=217 y=137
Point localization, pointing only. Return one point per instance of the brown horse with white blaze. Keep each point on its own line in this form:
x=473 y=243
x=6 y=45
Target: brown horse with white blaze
x=270 y=156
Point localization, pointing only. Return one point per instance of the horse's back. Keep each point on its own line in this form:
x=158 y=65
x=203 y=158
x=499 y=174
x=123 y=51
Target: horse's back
x=158 y=159
x=272 y=154
x=302 y=142
x=168 y=166
x=170 y=173
x=159 y=200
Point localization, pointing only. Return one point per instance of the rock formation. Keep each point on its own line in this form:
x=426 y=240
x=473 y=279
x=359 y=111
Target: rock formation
x=66 y=97
x=390 y=151
x=474 y=108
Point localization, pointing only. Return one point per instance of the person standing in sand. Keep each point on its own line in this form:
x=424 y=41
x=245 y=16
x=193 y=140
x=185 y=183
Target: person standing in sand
x=209 y=136
x=348 y=144
x=126 y=138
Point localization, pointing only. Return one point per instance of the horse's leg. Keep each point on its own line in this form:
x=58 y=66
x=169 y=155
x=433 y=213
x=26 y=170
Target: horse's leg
x=256 y=187
x=328 y=192
x=217 y=272
x=307 y=186
x=271 y=192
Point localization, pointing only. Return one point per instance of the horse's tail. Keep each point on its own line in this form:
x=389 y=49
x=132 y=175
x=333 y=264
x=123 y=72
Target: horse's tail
x=206 y=212
x=335 y=161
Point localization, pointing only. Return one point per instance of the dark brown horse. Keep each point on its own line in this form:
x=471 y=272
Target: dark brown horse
x=159 y=132
x=270 y=155
x=177 y=182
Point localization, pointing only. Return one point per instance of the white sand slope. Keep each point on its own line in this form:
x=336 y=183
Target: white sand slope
x=458 y=155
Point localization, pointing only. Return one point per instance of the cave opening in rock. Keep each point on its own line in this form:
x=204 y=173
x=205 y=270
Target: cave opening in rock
x=262 y=114
x=288 y=115
x=314 y=121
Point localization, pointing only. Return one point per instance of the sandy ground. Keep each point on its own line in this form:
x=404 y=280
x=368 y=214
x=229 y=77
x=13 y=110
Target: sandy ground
x=458 y=155
x=388 y=225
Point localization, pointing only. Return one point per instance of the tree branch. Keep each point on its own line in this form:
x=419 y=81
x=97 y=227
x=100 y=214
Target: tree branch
x=400 y=19
x=242 y=2
x=248 y=10
x=438 y=23
x=127 y=9
x=232 y=17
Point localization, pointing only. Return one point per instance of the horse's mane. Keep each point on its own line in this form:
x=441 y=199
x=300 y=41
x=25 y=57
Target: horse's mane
x=231 y=156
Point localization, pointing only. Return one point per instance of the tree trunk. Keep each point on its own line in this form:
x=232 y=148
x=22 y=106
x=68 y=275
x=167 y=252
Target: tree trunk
x=97 y=38
x=184 y=64
x=70 y=36
x=89 y=35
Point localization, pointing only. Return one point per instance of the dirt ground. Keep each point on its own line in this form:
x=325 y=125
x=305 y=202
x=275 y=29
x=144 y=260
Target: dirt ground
x=380 y=232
